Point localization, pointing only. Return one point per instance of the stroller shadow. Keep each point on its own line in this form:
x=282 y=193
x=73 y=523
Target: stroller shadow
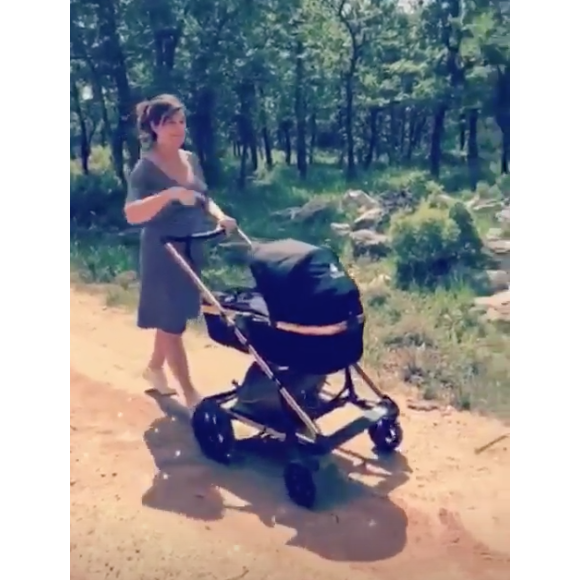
x=356 y=522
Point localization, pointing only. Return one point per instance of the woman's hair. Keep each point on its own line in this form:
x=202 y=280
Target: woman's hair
x=156 y=112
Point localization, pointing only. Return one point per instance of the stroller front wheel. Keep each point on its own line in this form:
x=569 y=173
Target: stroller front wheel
x=300 y=484
x=214 y=432
x=387 y=435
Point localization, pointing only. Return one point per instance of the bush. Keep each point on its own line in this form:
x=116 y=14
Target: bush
x=96 y=200
x=434 y=243
x=470 y=245
x=100 y=162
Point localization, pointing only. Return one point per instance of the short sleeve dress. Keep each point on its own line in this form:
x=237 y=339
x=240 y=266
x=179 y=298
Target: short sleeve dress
x=168 y=298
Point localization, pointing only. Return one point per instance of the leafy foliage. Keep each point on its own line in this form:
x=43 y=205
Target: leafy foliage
x=434 y=243
x=388 y=82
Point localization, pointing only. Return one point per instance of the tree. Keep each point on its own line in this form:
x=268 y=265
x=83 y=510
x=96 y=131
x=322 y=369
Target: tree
x=368 y=81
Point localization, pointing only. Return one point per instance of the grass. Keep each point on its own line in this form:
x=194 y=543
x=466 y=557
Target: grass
x=431 y=340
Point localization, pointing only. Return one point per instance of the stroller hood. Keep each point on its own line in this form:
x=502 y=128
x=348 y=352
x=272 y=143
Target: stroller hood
x=304 y=284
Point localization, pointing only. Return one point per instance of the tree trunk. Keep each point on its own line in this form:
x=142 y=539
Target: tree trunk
x=300 y=111
x=436 y=139
x=472 y=148
x=124 y=133
x=85 y=144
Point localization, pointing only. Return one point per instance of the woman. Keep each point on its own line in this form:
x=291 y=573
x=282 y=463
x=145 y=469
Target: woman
x=167 y=196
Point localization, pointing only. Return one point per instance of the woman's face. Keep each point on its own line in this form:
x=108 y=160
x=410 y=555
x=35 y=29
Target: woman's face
x=171 y=131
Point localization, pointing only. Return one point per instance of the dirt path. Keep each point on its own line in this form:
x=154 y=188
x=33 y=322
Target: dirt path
x=145 y=505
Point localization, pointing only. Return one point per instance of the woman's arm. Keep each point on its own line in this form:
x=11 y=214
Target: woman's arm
x=143 y=210
x=214 y=210
x=142 y=204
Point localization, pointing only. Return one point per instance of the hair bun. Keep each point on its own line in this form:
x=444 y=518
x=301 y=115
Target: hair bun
x=142 y=109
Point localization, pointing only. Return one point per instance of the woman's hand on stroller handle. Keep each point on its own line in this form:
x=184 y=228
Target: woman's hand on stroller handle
x=202 y=236
x=208 y=235
x=228 y=224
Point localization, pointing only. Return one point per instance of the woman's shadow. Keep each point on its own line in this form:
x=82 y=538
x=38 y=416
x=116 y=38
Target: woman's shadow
x=356 y=523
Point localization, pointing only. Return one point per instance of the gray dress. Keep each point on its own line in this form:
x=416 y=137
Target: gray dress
x=168 y=298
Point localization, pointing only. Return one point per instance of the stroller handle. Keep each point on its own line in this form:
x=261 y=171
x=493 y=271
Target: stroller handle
x=203 y=236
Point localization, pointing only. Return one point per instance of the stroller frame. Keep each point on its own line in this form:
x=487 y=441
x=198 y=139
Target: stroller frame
x=307 y=449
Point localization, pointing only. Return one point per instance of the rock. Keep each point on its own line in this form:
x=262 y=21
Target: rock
x=504 y=215
x=445 y=199
x=369 y=243
x=358 y=199
x=370 y=219
x=340 y=229
x=425 y=406
x=496 y=307
x=126 y=279
x=498 y=280
x=374 y=212
x=377 y=283
x=393 y=201
x=287 y=213
x=499 y=253
x=494 y=234
x=484 y=205
x=314 y=209
x=499 y=247
x=473 y=204
x=490 y=282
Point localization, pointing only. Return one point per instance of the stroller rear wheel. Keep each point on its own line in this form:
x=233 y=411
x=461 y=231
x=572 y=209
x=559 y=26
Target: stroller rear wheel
x=213 y=430
x=300 y=484
x=387 y=435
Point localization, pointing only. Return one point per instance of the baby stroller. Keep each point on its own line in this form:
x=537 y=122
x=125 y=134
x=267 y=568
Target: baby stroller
x=302 y=322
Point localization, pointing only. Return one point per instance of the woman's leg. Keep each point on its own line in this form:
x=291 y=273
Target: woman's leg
x=177 y=360
x=158 y=355
x=154 y=373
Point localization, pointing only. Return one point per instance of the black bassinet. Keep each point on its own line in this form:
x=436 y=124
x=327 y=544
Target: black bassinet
x=305 y=312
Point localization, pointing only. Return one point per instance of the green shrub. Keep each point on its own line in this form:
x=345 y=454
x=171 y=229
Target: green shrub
x=96 y=200
x=432 y=244
x=415 y=181
x=100 y=161
x=470 y=245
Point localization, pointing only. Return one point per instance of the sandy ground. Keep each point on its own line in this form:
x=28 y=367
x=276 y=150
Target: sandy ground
x=145 y=505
